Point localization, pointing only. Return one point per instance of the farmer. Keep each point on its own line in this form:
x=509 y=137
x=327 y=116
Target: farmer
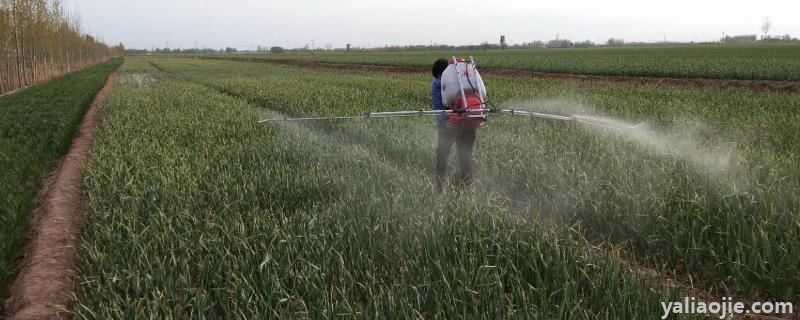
x=449 y=133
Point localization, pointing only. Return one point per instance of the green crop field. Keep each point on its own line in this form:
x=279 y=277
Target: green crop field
x=196 y=211
x=765 y=62
x=36 y=127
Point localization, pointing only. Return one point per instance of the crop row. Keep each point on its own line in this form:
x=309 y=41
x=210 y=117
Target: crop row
x=36 y=127
x=750 y=62
x=194 y=210
x=713 y=183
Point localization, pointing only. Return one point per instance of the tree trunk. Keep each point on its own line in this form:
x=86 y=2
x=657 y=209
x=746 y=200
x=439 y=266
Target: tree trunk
x=17 y=45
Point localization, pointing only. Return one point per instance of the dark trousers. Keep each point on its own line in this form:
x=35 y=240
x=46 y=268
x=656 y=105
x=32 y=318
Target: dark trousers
x=464 y=139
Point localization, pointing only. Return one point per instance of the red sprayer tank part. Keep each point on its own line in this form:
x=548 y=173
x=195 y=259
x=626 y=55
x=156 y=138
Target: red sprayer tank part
x=473 y=117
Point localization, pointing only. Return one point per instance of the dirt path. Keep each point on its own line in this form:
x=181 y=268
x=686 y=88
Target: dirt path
x=789 y=87
x=41 y=289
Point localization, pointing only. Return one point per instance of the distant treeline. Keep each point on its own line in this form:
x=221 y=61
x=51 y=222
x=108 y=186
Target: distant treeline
x=751 y=38
x=181 y=51
x=556 y=43
x=39 y=41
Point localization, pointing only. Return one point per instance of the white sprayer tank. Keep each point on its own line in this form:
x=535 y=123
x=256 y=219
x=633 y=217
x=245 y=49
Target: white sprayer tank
x=470 y=81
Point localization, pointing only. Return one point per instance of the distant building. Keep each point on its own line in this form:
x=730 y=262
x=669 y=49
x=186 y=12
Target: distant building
x=559 y=43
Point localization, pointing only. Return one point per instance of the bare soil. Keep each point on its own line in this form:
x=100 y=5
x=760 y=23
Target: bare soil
x=788 y=87
x=42 y=288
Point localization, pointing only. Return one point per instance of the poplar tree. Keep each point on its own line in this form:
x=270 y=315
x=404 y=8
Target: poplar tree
x=39 y=41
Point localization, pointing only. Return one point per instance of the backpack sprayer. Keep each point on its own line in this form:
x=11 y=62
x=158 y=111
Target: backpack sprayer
x=464 y=92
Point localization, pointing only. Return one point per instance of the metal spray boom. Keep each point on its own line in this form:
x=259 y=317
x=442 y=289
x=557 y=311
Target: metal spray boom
x=471 y=75
x=469 y=112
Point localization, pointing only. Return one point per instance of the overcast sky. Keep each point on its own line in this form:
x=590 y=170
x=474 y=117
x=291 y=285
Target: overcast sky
x=293 y=23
